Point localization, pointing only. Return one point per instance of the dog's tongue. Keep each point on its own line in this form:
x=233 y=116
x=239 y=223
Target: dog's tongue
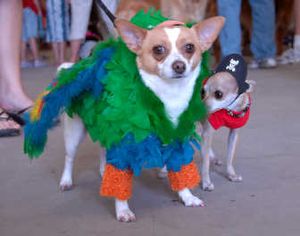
x=170 y=23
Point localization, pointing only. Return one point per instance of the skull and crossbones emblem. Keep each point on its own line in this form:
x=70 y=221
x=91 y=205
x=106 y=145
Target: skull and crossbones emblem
x=232 y=64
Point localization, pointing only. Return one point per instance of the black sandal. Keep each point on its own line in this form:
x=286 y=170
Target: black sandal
x=8 y=131
x=15 y=116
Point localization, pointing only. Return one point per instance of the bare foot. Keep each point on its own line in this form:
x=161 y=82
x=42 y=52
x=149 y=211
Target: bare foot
x=11 y=101
x=8 y=124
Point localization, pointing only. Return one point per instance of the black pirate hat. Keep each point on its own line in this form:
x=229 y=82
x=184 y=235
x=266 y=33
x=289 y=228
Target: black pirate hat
x=237 y=67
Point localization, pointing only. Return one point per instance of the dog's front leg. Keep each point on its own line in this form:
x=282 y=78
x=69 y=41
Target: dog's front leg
x=231 y=149
x=123 y=212
x=74 y=132
x=117 y=183
x=183 y=180
x=189 y=199
x=207 y=137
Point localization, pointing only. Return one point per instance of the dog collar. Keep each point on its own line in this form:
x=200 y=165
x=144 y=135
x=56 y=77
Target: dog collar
x=239 y=114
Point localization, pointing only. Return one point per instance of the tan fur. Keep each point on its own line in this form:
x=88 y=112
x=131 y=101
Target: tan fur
x=128 y=8
x=222 y=81
x=226 y=83
x=186 y=36
x=209 y=27
x=182 y=10
x=147 y=61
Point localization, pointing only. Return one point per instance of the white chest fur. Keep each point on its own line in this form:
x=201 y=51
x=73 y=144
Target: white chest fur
x=175 y=94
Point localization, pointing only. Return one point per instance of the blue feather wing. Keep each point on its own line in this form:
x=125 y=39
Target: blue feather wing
x=58 y=99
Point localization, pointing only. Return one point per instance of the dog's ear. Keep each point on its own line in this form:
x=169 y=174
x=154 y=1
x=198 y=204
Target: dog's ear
x=132 y=35
x=208 y=31
x=252 y=84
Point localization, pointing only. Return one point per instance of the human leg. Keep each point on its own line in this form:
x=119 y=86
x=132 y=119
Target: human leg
x=37 y=61
x=80 y=14
x=297 y=24
x=61 y=52
x=34 y=48
x=25 y=63
x=75 y=46
x=25 y=29
x=292 y=55
x=30 y=30
x=230 y=36
x=55 y=53
x=57 y=28
x=12 y=96
x=263 y=33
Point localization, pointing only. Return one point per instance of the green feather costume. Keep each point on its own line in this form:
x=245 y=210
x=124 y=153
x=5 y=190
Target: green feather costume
x=118 y=110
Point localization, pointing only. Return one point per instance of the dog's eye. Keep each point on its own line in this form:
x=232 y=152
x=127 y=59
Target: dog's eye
x=189 y=48
x=158 y=50
x=218 y=94
x=202 y=93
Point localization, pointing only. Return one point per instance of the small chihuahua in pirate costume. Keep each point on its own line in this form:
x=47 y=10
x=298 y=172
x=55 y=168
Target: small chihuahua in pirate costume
x=227 y=95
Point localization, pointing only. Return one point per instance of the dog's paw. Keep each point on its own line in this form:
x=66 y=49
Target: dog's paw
x=126 y=215
x=217 y=162
x=161 y=174
x=65 y=184
x=192 y=201
x=208 y=186
x=189 y=199
x=235 y=178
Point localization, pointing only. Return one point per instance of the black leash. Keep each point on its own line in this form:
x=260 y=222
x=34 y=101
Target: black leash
x=107 y=11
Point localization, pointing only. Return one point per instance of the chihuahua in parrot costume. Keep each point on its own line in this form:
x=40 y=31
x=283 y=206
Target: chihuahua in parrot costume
x=139 y=97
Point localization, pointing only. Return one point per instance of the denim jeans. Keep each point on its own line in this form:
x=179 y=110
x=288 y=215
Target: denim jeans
x=263 y=27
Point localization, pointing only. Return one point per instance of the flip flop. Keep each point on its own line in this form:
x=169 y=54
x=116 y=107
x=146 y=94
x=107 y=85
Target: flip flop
x=8 y=131
x=15 y=116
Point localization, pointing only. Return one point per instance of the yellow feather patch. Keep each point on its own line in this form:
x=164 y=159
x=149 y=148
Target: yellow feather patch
x=38 y=106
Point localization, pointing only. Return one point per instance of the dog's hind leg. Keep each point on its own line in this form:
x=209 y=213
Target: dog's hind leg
x=102 y=160
x=74 y=132
x=162 y=173
x=213 y=159
x=231 y=149
x=207 y=136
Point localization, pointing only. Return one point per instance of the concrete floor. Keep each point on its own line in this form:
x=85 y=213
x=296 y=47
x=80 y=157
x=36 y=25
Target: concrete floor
x=266 y=203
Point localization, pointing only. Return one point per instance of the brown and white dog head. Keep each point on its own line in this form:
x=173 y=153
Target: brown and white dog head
x=169 y=58
x=170 y=51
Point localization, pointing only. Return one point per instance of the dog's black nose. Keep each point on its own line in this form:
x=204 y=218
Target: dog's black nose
x=179 y=67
